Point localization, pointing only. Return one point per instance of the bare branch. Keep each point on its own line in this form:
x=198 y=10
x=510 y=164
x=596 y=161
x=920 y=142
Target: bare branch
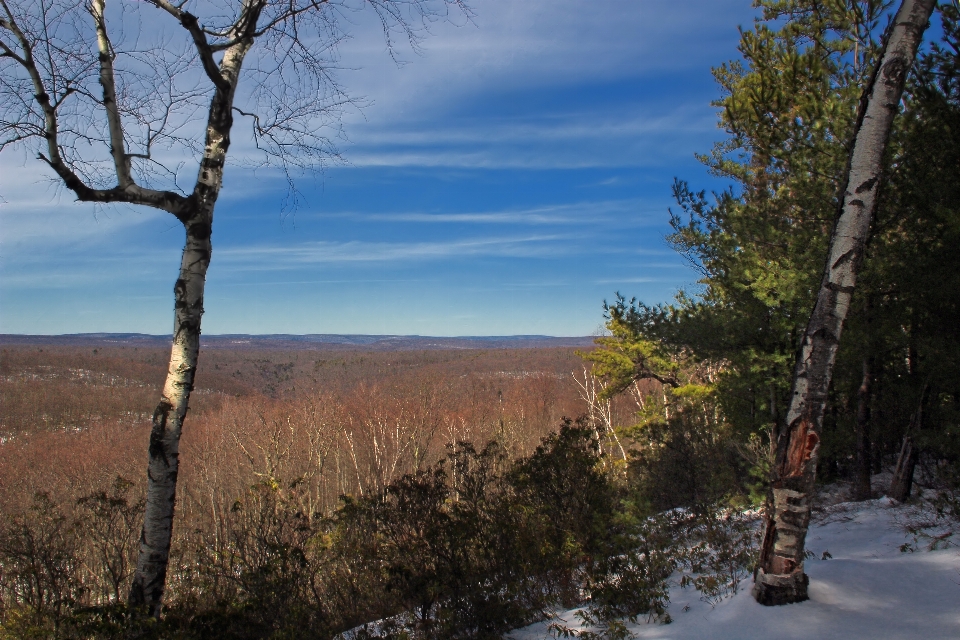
x=291 y=14
x=129 y=192
x=165 y=200
x=101 y=117
x=117 y=148
x=8 y=51
x=204 y=49
x=26 y=60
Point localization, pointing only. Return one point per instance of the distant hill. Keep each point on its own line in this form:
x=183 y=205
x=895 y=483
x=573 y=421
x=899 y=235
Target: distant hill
x=313 y=341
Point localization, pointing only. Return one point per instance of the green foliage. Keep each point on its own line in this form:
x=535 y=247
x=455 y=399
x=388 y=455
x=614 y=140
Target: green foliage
x=682 y=450
x=627 y=356
x=758 y=455
x=721 y=553
x=259 y=580
x=474 y=547
x=608 y=629
x=684 y=463
x=789 y=106
x=448 y=549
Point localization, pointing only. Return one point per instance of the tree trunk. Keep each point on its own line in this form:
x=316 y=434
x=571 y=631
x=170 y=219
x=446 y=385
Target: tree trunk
x=877 y=417
x=146 y=592
x=780 y=578
x=164 y=450
x=902 y=481
x=861 y=488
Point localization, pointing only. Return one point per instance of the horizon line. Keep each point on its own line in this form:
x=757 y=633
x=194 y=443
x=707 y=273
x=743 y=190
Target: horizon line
x=91 y=334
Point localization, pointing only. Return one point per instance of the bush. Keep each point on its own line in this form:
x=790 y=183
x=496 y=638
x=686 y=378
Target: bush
x=39 y=571
x=474 y=546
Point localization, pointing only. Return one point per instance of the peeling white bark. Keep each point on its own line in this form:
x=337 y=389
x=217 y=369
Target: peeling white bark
x=118 y=150
x=164 y=452
x=780 y=578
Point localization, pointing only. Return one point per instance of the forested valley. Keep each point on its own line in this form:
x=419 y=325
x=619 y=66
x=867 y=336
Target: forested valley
x=463 y=493
x=322 y=490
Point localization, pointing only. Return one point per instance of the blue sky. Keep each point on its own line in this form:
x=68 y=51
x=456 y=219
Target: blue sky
x=506 y=180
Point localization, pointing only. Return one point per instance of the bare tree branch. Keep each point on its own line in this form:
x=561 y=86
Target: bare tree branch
x=204 y=50
x=117 y=148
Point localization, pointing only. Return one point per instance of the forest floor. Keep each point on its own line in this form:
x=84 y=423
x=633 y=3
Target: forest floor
x=879 y=570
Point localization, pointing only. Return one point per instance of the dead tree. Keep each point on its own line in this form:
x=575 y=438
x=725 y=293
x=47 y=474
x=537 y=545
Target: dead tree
x=780 y=578
x=902 y=482
x=119 y=113
x=862 y=489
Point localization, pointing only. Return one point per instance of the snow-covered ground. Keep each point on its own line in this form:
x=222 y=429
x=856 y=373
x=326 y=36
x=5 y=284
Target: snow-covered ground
x=864 y=587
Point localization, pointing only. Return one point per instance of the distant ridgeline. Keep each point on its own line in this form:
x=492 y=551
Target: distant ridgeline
x=315 y=341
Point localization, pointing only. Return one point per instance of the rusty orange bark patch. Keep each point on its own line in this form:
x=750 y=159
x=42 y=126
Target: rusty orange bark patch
x=802 y=445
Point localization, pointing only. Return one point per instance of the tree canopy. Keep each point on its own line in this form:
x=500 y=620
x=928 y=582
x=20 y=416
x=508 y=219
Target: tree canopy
x=788 y=107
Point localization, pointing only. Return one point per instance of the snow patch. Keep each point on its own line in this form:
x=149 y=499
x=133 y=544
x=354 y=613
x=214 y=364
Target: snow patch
x=861 y=586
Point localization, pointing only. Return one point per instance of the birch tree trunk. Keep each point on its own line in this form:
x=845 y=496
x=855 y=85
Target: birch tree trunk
x=779 y=577
x=164 y=457
x=149 y=579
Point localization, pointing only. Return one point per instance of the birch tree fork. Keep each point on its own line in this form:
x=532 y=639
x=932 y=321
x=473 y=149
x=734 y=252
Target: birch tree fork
x=780 y=578
x=116 y=121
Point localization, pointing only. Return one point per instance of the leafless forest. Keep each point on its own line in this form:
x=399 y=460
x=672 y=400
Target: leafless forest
x=345 y=421
x=337 y=481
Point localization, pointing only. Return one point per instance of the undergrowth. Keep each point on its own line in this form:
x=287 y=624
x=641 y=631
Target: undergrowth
x=470 y=547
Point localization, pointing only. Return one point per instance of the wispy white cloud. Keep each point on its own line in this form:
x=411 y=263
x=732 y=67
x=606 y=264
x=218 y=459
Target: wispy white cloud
x=539 y=43
x=436 y=110
x=631 y=212
x=121 y=267
x=597 y=137
x=37 y=214
x=26 y=229
x=604 y=124
x=628 y=280
x=275 y=257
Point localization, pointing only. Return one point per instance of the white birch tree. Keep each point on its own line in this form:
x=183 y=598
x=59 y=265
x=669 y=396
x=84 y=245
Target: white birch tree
x=119 y=101
x=780 y=578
